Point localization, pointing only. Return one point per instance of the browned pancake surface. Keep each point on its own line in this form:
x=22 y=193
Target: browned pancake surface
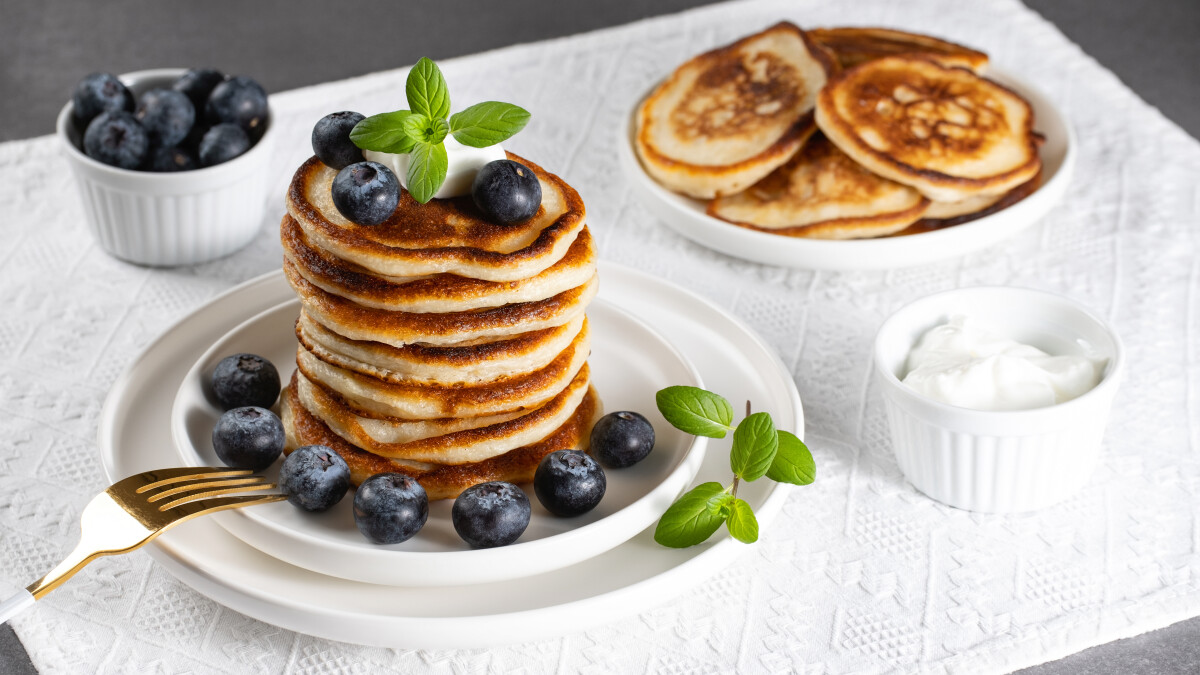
x=853 y=46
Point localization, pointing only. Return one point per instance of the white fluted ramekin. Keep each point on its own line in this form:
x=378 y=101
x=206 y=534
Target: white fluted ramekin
x=177 y=218
x=998 y=461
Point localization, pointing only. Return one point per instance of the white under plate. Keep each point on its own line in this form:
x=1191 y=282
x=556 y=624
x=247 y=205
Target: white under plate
x=687 y=216
x=135 y=436
x=629 y=363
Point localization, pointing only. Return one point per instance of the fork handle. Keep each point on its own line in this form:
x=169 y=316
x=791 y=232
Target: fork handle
x=19 y=602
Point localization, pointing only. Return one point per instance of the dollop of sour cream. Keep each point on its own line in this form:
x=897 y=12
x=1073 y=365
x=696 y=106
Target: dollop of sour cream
x=463 y=162
x=963 y=363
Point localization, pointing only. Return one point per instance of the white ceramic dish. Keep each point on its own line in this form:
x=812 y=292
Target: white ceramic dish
x=135 y=435
x=998 y=461
x=687 y=217
x=176 y=218
x=629 y=363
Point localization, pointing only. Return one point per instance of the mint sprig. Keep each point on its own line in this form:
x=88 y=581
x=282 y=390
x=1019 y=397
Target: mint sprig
x=421 y=131
x=759 y=449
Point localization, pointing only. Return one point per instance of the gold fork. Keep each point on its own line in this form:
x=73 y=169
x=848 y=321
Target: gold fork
x=136 y=510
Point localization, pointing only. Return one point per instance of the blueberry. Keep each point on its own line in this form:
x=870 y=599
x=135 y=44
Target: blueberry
x=506 y=191
x=331 y=139
x=569 y=483
x=222 y=143
x=238 y=100
x=197 y=84
x=622 y=439
x=390 y=508
x=116 y=138
x=248 y=438
x=245 y=379
x=490 y=514
x=167 y=115
x=173 y=158
x=314 y=478
x=98 y=93
x=366 y=193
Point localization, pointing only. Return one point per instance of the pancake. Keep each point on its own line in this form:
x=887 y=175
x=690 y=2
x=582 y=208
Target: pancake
x=854 y=46
x=444 y=236
x=398 y=329
x=947 y=215
x=944 y=131
x=436 y=293
x=390 y=437
x=728 y=117
x=823 y=194
x=440 y=481
x=375 y=392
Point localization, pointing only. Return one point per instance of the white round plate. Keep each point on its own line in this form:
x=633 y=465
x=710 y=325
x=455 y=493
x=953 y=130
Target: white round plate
x=687 y=216
x=629 y=363
x=135 y=435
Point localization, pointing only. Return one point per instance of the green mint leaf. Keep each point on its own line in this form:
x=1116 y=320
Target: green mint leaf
x=741 y=523
x=793 y=463
x=427 y=91
x=383 y=133
x=691 y=519
x=488 y=123
x=755 y=444
x=426 y=170
x=695 y=411
x=422 y=129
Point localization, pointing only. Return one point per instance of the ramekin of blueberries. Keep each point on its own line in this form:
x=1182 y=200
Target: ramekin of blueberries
x=390 y=508
x=171 y=164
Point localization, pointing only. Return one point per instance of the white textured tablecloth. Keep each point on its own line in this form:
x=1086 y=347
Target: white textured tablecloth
x=862 y=574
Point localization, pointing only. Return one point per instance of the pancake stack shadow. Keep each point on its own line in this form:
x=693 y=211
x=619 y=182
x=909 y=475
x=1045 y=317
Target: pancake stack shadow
x=439 y=344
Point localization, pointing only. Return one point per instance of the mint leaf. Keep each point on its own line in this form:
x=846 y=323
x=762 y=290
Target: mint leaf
x=426 y=170
x=427 y=91
x=695 y=411
x=741 y=523
x=488 y=123
x=754 y=446
x=691 y=519
x=793 y=463
x=424 y=130
x=383 y=133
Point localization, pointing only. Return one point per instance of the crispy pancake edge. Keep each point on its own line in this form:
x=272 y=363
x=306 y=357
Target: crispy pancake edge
x=849 y=43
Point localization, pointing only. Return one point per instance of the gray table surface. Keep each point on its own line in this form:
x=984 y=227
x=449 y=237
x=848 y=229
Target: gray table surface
x=45 y=47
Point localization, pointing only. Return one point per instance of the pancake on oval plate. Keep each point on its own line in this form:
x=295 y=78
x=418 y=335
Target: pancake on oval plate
x=853 y=46
x=728 y=117
x=944 y=131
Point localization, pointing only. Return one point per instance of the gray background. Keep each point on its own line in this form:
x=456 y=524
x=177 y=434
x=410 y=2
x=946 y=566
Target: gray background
x=45 y=47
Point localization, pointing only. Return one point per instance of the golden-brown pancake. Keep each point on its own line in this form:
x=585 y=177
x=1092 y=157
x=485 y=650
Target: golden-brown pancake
x=853 y=46
x=823 y=194
x=444 y=236
x=730 y=116
x=957 y=214
x=944 y=131
x=440 y=481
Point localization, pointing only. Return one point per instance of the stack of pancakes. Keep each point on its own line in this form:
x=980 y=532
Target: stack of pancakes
x=846 y=132
x=439 y=344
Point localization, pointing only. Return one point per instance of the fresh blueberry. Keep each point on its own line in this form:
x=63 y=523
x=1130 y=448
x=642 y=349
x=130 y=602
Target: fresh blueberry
x=116 y=138
x=314 y=478
x=390 y=508
x=331 y=139
x=366 y=193
x=197 y=84
x=238 y=100
x=248 y=438
x=173 y=158
x=569 y=483
x=222 y=143
x=490 y=514
x=98 y=93
x=622 y=439
x=506 y=191
x=245 y=379
x=167 y=115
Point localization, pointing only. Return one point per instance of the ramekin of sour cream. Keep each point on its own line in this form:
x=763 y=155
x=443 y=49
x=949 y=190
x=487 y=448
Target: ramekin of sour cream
x=1007 y=395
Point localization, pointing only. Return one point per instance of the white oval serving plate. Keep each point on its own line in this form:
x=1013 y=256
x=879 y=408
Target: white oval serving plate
x=687 y=216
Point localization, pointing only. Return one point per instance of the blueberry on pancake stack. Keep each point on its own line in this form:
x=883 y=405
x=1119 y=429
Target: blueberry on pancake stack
x=439 y=342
